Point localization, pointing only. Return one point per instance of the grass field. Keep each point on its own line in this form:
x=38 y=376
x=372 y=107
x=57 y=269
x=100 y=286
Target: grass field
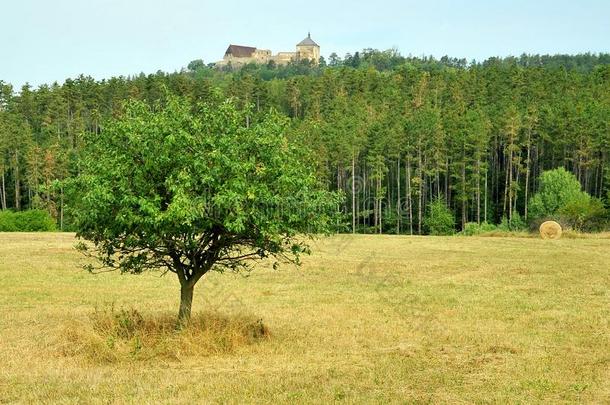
x=365 y=319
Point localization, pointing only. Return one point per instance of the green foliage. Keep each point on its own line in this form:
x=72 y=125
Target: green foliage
x=516 y=223
x=504 y=228
x=439 y=219
x=558 y=188
x=201 y=186
x=561 y=198
x=584 y=214
x=473 y=229
x=26 y=221
x=196 y=65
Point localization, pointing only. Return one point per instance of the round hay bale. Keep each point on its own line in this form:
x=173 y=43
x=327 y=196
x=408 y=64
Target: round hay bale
x=550 y=230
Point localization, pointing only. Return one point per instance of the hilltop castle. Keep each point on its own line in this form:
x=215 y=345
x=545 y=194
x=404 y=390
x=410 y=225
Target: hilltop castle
x=237 y=55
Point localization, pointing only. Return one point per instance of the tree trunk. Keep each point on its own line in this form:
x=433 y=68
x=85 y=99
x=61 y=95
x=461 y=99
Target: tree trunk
x=408 y=191
x=601 y=181
x=379 y=204
x=61 y=209
x=366 y=219
x=527 y=174
x=464 y=191
x=421 y=192
x=448 y=195
x=17 y=183
x=3 y=193
x=506 y=183
x=516 y=189
x=485 y=201
x=478 y=192
x=353 y=193
x=375 y=206
x=597 y=179
x=186 y=303
x=398 y=205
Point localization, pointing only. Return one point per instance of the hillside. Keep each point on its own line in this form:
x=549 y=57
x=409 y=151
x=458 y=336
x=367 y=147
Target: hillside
x=394 y=133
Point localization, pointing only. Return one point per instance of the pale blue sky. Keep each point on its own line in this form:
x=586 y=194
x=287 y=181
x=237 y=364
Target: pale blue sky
x=43 y=41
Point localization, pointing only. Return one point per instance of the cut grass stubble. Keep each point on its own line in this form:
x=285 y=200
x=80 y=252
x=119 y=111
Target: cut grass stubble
x=366 y=319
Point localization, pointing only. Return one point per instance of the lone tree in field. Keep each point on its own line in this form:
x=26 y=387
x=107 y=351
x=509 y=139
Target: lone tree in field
x=192 y=189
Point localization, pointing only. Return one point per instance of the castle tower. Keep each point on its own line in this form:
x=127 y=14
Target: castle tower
x=308 y=49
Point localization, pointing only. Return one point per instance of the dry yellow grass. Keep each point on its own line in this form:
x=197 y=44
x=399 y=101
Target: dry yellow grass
x=365 y=319
x=123 y=335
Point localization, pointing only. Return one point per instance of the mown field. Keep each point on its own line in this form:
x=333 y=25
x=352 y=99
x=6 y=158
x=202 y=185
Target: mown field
x=366 y=319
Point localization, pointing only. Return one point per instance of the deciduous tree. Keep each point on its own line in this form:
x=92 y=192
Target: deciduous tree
x=166 y=188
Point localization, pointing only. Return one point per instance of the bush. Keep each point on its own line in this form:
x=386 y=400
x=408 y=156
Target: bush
x=561 y=199
x=26 y=221
x=516 y=223
x=472 y=228
x=439 y=219
x=558 y=188
x=584 y=214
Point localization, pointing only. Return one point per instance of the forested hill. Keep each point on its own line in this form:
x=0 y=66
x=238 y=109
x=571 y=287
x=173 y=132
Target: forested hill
x=392 y=132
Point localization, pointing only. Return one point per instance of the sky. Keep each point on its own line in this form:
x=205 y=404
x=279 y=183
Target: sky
x=45 y=41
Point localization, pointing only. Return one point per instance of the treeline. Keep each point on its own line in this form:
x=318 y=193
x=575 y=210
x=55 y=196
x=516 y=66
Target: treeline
x=394 y=133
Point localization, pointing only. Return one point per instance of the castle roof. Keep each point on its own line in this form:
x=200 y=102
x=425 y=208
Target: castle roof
x=307 y=41
x=240 y=51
